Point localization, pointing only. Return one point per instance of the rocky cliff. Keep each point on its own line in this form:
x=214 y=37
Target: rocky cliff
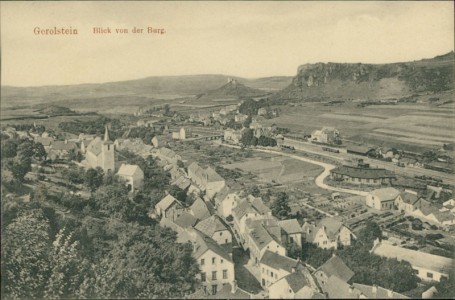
x=370 y=81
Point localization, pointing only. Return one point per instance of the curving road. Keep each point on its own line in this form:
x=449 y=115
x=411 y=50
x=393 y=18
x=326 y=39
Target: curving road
x=320 y=179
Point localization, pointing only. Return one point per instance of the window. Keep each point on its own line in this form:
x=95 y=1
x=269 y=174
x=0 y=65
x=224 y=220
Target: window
x=213 y=260
x=203 y=277
x=202 y=261
x=271 y=274
x=263 y=270
x=214 y=289
x=224 y=274
x=226 y=241
x=429 y=275
x=214 y=275
x=221 y=233
x=292 y=239
x=222 y=260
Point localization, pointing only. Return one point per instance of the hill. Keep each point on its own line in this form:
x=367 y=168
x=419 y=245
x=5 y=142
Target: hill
x=351 y=81
x=140 y=91
x=233 y=90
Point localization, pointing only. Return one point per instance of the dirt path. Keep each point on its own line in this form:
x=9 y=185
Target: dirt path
x=320 y=179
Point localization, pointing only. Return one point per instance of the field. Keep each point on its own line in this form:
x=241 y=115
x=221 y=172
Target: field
x=278 y=169
x=408 y=126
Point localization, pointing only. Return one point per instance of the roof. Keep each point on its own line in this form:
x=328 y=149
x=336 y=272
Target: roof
x=197 y=170
x=443 y=216
x=359 y=149
x=336 y=288
x=260 y=206
x=129 y=170
x=386 y=194
x=300 y=279
x=45 y=141
x=63 y=145
x=415 y=258
x=182 y=182
x=95 y=146
x=221 y=195
x=364 y=173
x=331 y=225
x=199 y=209
x=186 y=220
x=226 y=293
x=277 y=261
x=242 y=209
x=290 y=226
x=260 y=236
x=204 y=243
x=166 y=202
x=213 y=176
x=410 y=198
x=380 y=293
x=335 y=266
x=211 y=225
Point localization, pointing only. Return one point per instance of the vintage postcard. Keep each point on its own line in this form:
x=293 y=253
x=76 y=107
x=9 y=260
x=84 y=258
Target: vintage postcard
x=227 y=149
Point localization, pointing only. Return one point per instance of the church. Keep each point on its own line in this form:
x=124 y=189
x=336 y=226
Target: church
x=100 y=153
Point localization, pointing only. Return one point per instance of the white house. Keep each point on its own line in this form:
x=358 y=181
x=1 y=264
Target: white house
x=274 y=266
x=100 y=153
x=169 y=208
x=132 y=174
x=297 y=285
x=383 y=198
x=334 y=266
x=214 y=228
x=328 y=233
x=291 y=232
x=429 y=267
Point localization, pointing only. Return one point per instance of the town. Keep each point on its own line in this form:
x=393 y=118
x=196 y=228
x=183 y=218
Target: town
x=267 y=214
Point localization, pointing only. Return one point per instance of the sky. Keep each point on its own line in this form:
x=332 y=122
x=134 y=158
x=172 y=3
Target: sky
x=245 y=39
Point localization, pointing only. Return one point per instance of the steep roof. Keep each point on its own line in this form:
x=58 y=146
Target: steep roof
x=95 y=146
x=337 y=288
x=336 y=266
x=197 y=170
x=377 y=292
x=260 y=236
x=242 y=209
x=199 y=209
x=259 y=206
x=226 y=293
x=181 y=182
x=186 y=220
x=364 y=173
x=290 y=226
x=166 y=202
x=129 y=170
x=45 y=141
x=332 y=226
x=277 y=261
x=296 y=281
x=386 y=194
x=221 y=195
x=211 y=225
x=409 y=197
x=213 y=176
x=204 y=243
x=415 y=258
x=63 y=145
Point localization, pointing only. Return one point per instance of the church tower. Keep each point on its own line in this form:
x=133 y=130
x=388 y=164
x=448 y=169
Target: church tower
x=107 y=153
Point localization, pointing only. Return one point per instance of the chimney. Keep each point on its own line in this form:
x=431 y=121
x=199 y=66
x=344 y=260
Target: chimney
x=375 y=289
x=234 y=286
x=390 y=293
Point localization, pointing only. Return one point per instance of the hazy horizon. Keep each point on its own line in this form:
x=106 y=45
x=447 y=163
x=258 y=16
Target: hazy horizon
x=242 y=39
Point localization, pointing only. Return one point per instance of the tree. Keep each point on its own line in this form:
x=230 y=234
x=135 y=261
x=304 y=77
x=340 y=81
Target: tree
x=280 y=207
x=313 y=255
x=9 y=149
x=180 y=164
x=20 y=166
x=247 y=137
x=25 y=261
x=39 y=151
x=247 y=122
x=369 y=234
x=94 y=178
x=146 y=262
x=255 y=191
x=41 y=193
x=178 y=193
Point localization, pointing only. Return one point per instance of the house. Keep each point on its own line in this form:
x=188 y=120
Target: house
x=360 y=150
x=408 y=201
x=169 y=208
x=215 y=182
x=45 y=141
x=232 y=135
x=362 y=174
x=132 y=174
x=216 y=265
x=327 y=135
x=336 y=288
x=240 y=118
x=391 y=153
x=263 y=235
x=185 y=220
x=228 y=291
x=274 y=266
x=333 y=267
x=291 y=232
x=180 y=181
x=377 y=292
x=61 y=149
x=409 y=161
x=383 y=199
x=199 y=209
x=100 y=153
x=429 y=267
x=169 y=155
x=262 y=111
x=225 y=201
x=197 y=175
x=328 y=233
x=297 y=285
x=214 y=228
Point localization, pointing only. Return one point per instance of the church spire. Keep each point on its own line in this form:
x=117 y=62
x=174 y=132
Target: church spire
x=106 y=135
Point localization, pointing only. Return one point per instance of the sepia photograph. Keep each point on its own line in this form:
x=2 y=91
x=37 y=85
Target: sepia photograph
x=227 y=149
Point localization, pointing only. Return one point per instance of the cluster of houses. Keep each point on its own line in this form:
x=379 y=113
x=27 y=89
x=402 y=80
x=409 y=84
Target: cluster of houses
x=413 y=204
x=326 y=135
x=362 y=173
